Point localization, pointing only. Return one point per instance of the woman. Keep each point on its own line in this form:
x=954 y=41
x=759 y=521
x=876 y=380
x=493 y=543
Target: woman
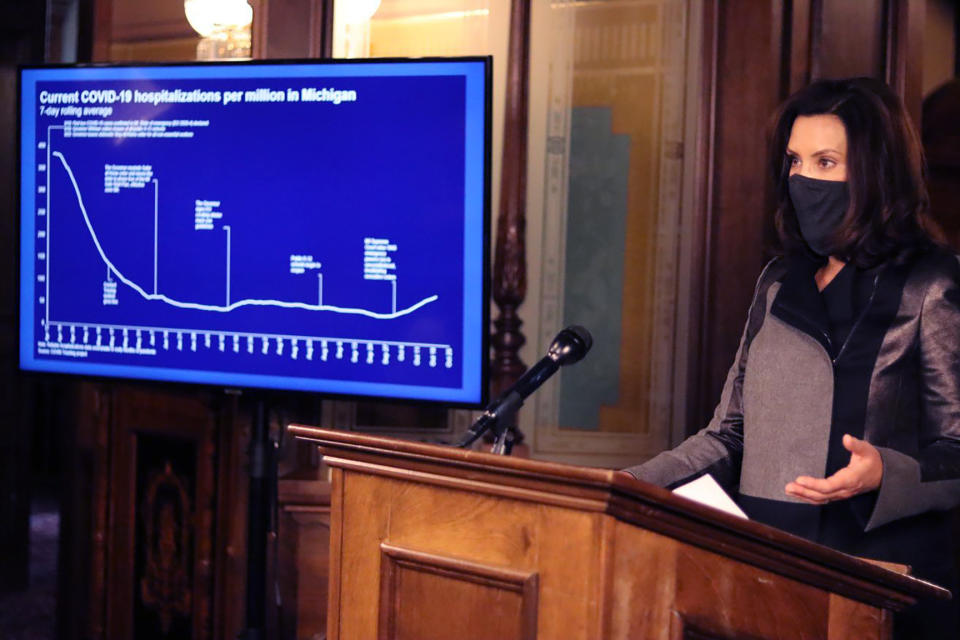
x=840 y=417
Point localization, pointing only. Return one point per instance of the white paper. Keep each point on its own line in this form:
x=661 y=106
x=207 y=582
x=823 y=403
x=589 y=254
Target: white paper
x=705 y=490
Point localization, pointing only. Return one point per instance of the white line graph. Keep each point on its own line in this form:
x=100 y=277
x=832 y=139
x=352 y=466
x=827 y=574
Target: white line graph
x=230 y=306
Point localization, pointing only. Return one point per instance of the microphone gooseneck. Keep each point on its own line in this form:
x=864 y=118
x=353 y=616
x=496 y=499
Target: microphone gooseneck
x=569 y=346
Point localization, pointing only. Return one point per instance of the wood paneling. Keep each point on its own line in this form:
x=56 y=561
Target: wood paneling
x=425 y=596
x=653 y=581
x=736 y=600
x=180 y=532
x=798 y=34
x=423 y=536
x=848 y=38
x=472 y=477
x=851 y=620
x=480 y=529
x=302 y=559
x=118 y=439
x=747 y=65
x=96 y=30
x=903 y=62
x=941 y=145
x=292 y=28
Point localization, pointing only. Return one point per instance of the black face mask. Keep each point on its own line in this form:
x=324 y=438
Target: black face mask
x=820 y=206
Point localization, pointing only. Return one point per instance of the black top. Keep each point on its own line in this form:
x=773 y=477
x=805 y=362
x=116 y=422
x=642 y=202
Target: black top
x=839 y=304
x=845 y=299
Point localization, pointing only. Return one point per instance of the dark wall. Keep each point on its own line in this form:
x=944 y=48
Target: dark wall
x=21 y=41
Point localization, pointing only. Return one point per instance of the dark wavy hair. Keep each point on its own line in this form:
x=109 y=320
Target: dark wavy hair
x=887 y=218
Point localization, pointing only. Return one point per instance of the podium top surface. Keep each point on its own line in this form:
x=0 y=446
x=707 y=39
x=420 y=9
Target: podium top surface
x=627 y=499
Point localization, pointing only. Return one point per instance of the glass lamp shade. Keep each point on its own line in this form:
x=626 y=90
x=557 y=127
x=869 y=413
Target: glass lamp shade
x=210 y=16
x=356 y=11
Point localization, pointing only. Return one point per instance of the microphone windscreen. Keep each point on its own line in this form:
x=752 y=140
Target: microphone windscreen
x=584 y=335
x=570 y=345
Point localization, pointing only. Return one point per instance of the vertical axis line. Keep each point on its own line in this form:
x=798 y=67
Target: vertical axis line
x=226 y=227
x=320 y=289
x=393 y=284
x=46 y=300
x=156 y=197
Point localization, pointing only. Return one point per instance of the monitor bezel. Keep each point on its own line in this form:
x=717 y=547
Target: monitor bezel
x=160 y=382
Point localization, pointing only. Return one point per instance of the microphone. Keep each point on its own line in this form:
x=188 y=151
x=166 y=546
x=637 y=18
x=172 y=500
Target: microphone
x=568 y=347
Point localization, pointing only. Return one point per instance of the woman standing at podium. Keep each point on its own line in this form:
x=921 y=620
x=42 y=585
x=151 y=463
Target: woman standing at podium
x=840 y=418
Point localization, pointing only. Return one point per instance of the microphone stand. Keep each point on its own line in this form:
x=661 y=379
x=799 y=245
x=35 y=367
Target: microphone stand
x=497 y=418
x=568 y=347
x=503 y=444
x=261 y=505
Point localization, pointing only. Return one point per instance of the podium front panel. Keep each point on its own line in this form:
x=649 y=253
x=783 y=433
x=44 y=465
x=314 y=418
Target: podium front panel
x=431 y=543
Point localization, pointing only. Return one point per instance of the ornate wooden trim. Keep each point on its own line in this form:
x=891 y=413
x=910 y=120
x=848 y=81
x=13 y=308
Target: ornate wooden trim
x=395 y=559
x=510 y=262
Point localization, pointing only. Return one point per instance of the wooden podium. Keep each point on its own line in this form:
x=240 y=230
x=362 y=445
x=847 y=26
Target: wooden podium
x=437 y=543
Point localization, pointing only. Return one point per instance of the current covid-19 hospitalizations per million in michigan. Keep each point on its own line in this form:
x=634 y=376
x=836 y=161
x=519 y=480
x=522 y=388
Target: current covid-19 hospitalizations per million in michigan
x=261 y=226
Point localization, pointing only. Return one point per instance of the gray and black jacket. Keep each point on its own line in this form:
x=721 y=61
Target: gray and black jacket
x=792 y=393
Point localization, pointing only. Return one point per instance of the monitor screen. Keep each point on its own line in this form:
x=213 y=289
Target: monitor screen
x=312 y=226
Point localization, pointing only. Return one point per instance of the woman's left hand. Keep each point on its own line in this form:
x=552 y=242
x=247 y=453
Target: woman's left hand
x=862 y=474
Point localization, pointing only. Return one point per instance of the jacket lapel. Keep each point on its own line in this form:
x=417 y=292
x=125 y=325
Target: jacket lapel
x=799 y=304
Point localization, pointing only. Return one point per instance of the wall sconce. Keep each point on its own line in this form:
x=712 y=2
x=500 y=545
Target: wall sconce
x=224 y=26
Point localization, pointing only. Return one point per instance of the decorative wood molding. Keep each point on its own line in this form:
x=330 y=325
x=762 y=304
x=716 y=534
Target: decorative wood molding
x=507 y=591
x=903 y=63
x=510 y=263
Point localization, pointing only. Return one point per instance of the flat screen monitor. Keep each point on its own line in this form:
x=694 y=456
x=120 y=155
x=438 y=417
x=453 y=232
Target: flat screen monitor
x=309 y=226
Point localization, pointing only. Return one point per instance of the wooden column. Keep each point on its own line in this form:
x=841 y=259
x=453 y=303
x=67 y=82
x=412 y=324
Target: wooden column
x=292 y=28
x=510 y=261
